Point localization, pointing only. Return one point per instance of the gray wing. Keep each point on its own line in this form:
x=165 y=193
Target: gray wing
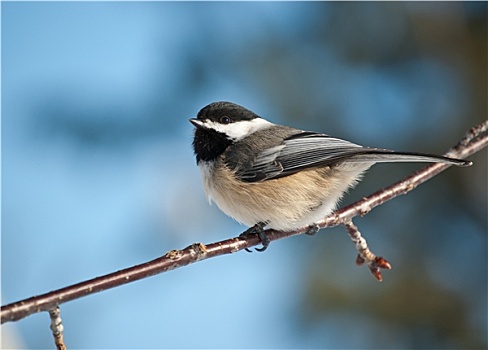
x=309 y=150
x=298 y=152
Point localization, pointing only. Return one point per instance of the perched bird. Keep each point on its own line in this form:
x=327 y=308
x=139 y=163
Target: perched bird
x=269 y=175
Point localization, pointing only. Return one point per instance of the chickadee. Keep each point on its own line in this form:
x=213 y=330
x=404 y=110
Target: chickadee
x=269 y=175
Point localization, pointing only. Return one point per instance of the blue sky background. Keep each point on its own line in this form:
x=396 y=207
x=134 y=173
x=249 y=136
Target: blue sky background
x=98 y=172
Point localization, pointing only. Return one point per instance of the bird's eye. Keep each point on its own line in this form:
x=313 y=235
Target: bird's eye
x=225 y=120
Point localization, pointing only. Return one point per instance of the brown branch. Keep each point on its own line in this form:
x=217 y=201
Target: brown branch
x=475 y=140
x=374 y=263
x=57 y=328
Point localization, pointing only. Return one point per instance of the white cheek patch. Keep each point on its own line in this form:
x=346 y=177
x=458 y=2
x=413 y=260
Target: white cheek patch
x=238 y=130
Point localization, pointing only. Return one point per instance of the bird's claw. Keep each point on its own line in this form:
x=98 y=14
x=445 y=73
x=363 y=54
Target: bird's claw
x=257 y=229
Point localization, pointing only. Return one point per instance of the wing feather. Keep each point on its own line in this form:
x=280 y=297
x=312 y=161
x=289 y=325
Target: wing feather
x=298 y=152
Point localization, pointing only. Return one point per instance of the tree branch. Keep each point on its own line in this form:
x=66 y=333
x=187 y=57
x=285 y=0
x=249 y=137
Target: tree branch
x=57 y=328
x=374 y=263
x=475 y=140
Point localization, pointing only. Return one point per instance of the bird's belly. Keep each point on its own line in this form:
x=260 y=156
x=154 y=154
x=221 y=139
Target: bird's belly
x=286 y=203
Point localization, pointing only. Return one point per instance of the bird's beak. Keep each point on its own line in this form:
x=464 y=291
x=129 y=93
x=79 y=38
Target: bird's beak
x=197 y=122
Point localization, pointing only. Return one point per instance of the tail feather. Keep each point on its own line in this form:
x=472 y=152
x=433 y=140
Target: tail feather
x=383 y=155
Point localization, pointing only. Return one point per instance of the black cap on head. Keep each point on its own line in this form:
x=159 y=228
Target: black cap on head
x=216 y=110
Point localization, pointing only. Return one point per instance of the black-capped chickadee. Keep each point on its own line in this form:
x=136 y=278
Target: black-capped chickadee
x=268 y=175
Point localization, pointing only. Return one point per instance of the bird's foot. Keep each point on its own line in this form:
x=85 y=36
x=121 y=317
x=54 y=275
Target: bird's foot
x=257 y=229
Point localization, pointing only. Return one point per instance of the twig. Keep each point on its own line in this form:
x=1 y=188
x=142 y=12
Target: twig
x=375 y=263
x=475 y=140
x=57 y=328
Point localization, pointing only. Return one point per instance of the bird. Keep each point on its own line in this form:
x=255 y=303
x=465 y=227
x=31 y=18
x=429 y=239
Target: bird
x=266 y=175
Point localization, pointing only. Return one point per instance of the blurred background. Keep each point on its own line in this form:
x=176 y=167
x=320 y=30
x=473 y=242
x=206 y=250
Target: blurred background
x=98 y=172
